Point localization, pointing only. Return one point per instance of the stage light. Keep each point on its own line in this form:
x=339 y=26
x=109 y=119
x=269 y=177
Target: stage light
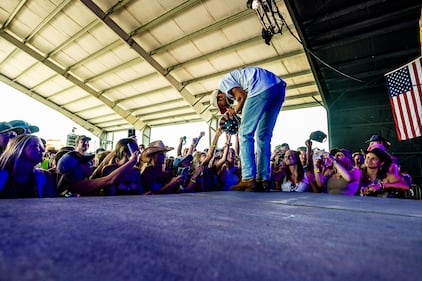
x=267 y=36
x=269 y=15
x=252 y=4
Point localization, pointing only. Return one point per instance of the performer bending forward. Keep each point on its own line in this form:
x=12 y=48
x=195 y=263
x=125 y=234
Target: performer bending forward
x=259 y=96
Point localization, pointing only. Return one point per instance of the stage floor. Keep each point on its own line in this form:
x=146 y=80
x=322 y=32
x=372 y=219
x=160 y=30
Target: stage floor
x=211 y=236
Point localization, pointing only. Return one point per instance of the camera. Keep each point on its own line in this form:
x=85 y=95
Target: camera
x=132 y=146
x=131 y=133
x=318 y=154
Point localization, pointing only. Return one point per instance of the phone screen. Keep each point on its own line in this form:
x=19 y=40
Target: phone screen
x=132 y=146
x=183 y=171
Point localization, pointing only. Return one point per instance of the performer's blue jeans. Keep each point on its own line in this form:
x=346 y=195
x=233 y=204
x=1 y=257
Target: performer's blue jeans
x=259 y=115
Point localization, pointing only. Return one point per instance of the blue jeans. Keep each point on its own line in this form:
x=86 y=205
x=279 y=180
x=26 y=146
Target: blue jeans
x=258 y=119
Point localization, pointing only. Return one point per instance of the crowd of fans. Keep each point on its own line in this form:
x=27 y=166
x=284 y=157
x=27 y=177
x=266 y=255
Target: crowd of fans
x=28 y=170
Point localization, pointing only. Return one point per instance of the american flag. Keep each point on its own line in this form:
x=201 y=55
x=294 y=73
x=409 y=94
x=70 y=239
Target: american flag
x=405 y=91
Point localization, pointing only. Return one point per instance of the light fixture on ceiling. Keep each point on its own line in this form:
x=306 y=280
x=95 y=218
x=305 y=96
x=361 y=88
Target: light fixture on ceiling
x=269 y=15
x=252 y=4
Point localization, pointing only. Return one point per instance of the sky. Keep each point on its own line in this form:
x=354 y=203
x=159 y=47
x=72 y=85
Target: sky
x=292 y=127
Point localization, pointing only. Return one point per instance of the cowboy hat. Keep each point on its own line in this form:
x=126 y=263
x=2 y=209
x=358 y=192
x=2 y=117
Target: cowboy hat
x=24 y=125
x=6 y=127
x=214 y=101
x=379 y=139
x=382 y=155
x=153 y=147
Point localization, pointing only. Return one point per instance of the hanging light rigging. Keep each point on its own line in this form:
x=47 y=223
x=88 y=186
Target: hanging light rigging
x=269 y=15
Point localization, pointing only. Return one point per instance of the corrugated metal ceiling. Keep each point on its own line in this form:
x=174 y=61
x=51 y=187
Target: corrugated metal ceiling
x=112 y=65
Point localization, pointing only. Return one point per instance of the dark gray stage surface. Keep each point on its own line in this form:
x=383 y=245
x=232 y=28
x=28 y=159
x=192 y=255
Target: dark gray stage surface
x=211 y=236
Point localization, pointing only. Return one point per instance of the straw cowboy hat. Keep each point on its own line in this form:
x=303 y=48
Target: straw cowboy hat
x=153 y=147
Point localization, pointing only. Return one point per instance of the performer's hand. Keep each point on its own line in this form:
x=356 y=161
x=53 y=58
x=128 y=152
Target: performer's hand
x=231 y=111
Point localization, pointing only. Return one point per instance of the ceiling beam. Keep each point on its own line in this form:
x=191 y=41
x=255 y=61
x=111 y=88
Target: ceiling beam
x=86 y=28
x=138 y=124
x=13 y=14
x=159 y=104
x=148 y=115
x=45 y=21
x=116 y=68
x=343 y=12
x=176 y=122
x=361 y=26
x=203 y=31
x=152 y=92
x=166 y=16
x=363 y=36
x=147 y=57
x=147 y=26
x=226 y=50
x=364 y=61
x=264 y=61
x=174 y=116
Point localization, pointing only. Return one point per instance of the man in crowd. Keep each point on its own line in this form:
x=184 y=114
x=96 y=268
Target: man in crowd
x=82 y=144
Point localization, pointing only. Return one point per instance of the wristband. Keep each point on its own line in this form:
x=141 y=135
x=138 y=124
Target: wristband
x=193 y=180
x=317 y=170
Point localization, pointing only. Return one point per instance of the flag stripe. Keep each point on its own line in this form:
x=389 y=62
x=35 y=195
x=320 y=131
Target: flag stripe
x=399 y=131
x=411 y=116
x=418 y=110
x=417 y=71
x=403 y=115
x=417 y=91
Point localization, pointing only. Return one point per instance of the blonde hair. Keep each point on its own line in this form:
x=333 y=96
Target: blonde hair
x=11 y=156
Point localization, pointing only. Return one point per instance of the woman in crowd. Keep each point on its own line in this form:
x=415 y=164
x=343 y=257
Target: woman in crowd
x=155 y=179
x=130 y=183
x=205 y=176
x=278 y=168
x=377 y=180
x=19 y=177
x=295 y=179
x=335 y=174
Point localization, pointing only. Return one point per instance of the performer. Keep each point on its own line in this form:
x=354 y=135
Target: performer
x=258 y=95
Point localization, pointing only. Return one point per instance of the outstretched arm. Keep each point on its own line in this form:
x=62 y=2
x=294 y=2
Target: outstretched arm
x=213 y=144
x=90 y=185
